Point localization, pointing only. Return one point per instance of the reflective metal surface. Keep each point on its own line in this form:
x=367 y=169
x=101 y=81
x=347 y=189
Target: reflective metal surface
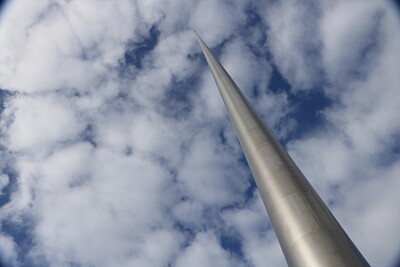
x=308 y=233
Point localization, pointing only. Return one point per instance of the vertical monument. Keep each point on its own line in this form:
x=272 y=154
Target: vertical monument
x=308 y=233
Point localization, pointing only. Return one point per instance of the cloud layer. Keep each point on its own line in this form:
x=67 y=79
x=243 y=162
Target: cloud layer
x=117 y=150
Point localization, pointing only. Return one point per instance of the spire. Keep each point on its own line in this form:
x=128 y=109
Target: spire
x=307 y=231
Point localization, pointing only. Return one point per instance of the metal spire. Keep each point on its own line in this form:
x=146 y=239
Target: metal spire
x=307 y=231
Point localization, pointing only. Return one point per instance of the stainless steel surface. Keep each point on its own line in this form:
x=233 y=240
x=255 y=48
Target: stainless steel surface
x=308 y=233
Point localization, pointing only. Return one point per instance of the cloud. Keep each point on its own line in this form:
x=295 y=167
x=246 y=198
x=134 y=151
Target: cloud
x=97 y=209
x=292 y=40
x=215 y=19
x=29 y=124
x=207 y=172
x=251 y=223
x=117 y=150
x=205 y=251
x=8 y=253
x=351 y=51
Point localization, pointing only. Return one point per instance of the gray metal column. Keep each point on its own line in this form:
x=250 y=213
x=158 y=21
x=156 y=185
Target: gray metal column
x=308 y=233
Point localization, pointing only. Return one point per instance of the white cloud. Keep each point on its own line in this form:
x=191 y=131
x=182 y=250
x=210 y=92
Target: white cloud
x=348 y=30
x=207 y=172
x=8 y=253
x=292 y=40
x=252 y=225
x=205 y=251
x=71 y=42
x=216 y=19
x=90 y=204
x=372 y=209
x=105 y=174
x=37 y=123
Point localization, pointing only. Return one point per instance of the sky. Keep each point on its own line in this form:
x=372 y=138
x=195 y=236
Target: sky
x=116 y=149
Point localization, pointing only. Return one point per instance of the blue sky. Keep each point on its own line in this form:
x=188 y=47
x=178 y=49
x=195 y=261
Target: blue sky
x=116 y=149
